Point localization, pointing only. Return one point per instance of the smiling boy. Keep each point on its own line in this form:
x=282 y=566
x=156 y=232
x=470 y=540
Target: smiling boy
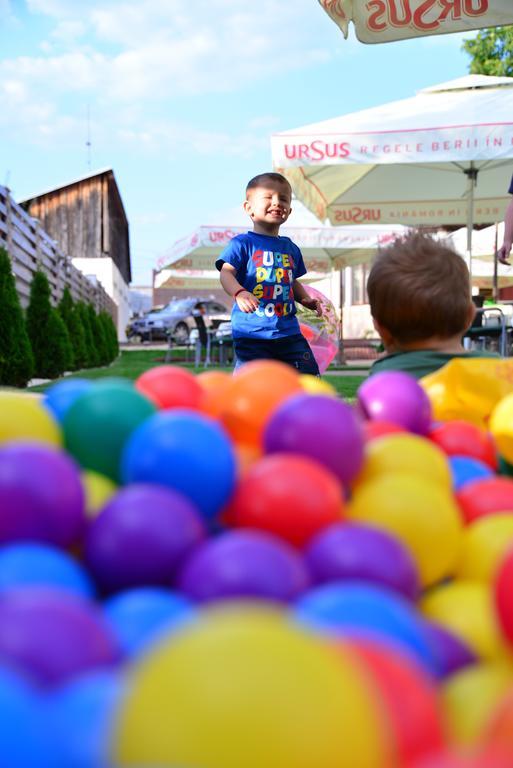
x=260 y=270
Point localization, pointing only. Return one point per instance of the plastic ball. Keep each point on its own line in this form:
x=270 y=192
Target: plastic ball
x=375 y=429
x=98 y=490
x=27 y=563
x=465 y=470
x=451 y=652
x=501 y=426
x=41 y=496
x=397 y=397
x=352 y=551
x=80 y=715
x=214 y=385
x=485 y=497
x=99 y=422
x=244 y=564
x=138 y=617
x=187 y=452
x=256 y=390
x=359 y=609
x=466 y=609
x=405 y=453
x=503 y=595
x=410 y=697
x=51 y=635
x=469 y=699
x=420 y=513
x=316 y=386
x=24 y=417
x=169 y=386
x=290 y=496
x=60 y=396
x=322 y=428
x=497 y=736
x=485 y=544
x=140 y=537
x=461 y=438
x=242 y=680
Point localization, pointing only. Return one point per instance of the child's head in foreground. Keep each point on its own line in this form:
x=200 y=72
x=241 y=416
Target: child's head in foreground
x=419 y=293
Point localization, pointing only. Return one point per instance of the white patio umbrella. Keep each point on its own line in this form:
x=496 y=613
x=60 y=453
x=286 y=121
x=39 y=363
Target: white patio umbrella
x=444 y=156
x=384 y=20
x=202 y=280
x=486 y=271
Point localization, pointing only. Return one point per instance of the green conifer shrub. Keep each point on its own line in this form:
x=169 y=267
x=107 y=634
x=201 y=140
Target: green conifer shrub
x=46 y=330
x=16 y=360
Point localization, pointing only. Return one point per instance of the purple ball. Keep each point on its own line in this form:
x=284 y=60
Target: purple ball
x=244 y=564
x=452 y=654
x=51 y=635
x=41 y=495
x=397 y=397
x=141 y=536
x=353 y=551
x=320 y=427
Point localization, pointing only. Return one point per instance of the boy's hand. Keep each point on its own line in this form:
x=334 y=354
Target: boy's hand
x=503 y=253
x=246 y=302
x=313 y=304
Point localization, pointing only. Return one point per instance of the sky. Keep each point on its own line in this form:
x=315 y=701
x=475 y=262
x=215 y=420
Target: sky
x=180 y=98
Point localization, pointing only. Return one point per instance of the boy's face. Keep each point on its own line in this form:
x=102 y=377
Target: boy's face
x=269 y=206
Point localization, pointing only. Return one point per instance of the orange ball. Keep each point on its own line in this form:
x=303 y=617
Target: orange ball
x=255 y=392
x=169 y=386
x=215 y=385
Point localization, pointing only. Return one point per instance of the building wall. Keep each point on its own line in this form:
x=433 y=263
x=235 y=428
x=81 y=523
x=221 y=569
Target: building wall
x=108 y=275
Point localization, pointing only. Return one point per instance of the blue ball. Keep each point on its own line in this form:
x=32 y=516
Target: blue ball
x=24 y=740
x=356 y=608
x=138 y=616
x=465 y=470
x=59 y=397
x=185 y=451
x=80 y=716
x=30 y=563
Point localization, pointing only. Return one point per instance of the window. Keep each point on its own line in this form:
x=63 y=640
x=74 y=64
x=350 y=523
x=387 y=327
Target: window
x=359 y=276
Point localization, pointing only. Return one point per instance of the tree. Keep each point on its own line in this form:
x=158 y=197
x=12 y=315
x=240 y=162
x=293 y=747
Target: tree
x=110 y=334
x=72 y=321
x=91 y=357
x=491 y=51
x=16 y=360
x=46 y=330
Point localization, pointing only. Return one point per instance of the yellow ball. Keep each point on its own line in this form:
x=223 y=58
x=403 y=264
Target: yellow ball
x=466 y=608
x=420 y=513
x=485 y=542
x=501 y=426
x=470 y=697
x=316 y=386
x=243 y=687
x=98 y=490
x=24 y=417
x=406 y=453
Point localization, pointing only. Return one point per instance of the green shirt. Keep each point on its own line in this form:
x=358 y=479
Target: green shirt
x=420 y=362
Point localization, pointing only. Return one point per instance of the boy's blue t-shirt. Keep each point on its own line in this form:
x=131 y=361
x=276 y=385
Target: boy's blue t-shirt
x=266 y=267
x=510 y=190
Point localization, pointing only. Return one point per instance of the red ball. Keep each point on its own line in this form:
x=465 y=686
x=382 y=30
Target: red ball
x=460 y=438
x=410 y=698
x=486 y=497
x=504 y=596
x=169 y=386
x=288 y=495
x=374 y=429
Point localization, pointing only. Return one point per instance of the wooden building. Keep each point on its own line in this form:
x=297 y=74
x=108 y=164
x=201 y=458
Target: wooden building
x=87 y=219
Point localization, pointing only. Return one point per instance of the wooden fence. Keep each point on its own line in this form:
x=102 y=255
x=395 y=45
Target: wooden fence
x=31 y=249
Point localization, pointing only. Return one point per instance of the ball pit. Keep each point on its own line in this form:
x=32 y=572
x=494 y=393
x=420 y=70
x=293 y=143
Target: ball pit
x=266 y=577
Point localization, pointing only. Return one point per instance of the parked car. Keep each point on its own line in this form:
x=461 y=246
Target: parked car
x=178 y=318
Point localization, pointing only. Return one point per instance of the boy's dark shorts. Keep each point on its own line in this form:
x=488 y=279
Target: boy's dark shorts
x=293 y=350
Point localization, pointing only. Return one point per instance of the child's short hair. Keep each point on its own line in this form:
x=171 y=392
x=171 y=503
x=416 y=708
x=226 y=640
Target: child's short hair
x=262 y=178
x=419 y=288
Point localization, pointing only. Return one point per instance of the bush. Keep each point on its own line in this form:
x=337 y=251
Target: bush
x=111 y=334
x=16 y=360
x=71 y=317
x=46 y=330
x=91 y=353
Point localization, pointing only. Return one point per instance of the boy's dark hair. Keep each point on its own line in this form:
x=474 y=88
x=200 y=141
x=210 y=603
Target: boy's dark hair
x=419 y=288
x=262 y=178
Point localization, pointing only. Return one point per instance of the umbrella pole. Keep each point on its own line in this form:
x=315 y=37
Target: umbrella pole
x=495 y=289
x=471 y=174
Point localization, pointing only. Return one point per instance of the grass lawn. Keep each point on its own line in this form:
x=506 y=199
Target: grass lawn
x=131 y=363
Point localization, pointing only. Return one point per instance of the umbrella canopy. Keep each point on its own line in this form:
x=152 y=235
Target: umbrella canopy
x=202 y=280
x=484 y=247
x=381 y=21
x=323 y=248
x=443 y=156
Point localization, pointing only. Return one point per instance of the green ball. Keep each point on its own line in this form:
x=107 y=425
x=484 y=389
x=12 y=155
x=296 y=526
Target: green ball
x=99 y=422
